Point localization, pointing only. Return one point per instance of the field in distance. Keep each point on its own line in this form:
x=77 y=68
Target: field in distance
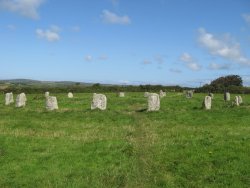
x=181 y=145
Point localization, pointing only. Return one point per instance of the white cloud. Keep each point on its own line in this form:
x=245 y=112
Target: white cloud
x=216 y=66
x=103 y=57
x=159 y=59
x=27 y=8
x=246 y=17
x=88 y=58
x=76 y=29
x=175 y=70
x=190 y=62
x=112 y=18
x=51 y=34
x=147 y=62
x=223 y=47
x=11 y=27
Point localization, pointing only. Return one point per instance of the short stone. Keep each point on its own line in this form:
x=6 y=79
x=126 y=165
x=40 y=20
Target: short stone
x=146 y=94
x=121 y=94
x=211 y=95
x=70 y=95
x=207 y=103
x=153 y=102
x=46 y=94
x=162 y=94
x=51 y=103
x=99 y=101
x=9 y=98
x=189 y=94
x=21 y=100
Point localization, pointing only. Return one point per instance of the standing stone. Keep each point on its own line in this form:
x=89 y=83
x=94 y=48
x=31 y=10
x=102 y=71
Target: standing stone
x=121 y=94
x=21 y=100
x=236 y=100
x=162 y=94
x=51 y=103
x=46 y=94
x=207 y=103
x=227 y=96
x=211 y=95
x=153 y=102
x=240 y=100
x=70 y=95
x=9 y=98
x=189 y=94
x=146 y=94
x=99 y=101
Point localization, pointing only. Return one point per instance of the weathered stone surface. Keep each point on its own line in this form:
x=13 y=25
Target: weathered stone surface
x=236 y=101
x=21 y=100
x=227 y=96
x=99 y=101
x=70 y=95
x=162 y=94
x=211 y=95
x=207 y=103
x=240 y=100
x=9 y=98
x=146 y=94
x=46 y=94
x=51 y=103
x=153 y=102
x=189 y=94
x=121 y=94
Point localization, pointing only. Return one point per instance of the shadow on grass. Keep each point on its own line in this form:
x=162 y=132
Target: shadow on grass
x=141 y=110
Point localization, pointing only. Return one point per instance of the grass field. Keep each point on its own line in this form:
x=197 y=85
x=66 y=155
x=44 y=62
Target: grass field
x=182 y=145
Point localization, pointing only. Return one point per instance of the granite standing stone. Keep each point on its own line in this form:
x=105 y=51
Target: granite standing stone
x=207 y=103
x=46 y=94
x=51 y=103
x=211 y=95
x=70 y=95
x=153 y=102
x=236 y=101
x=9 y=98
x=162 y=94
x=189 y=94
x=227 y=96
x=121 y=94
x=146 y=94
x=240 y=100
x=21 y=100
x=99 y=101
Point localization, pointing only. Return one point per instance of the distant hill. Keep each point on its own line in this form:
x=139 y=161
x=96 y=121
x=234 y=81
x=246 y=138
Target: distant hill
x=41 y=83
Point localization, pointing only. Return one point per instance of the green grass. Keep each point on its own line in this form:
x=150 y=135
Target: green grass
x=182 y=145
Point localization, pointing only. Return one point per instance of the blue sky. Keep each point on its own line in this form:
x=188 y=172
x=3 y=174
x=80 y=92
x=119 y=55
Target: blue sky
x=185 y=42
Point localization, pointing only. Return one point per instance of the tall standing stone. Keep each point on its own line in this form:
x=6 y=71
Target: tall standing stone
x=70 y=95
x=121 y=94
x=9 y=98
x=153 y=102
x=236 y=100
x=99 y=101
x=51 y=103
x=207 y=103
x=162 y=94
x=227 y=96
x=21 y=100
x=240 y=100
x=46 y=94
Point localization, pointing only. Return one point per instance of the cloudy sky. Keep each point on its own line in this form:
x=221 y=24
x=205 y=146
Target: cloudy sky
x=185 y=42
